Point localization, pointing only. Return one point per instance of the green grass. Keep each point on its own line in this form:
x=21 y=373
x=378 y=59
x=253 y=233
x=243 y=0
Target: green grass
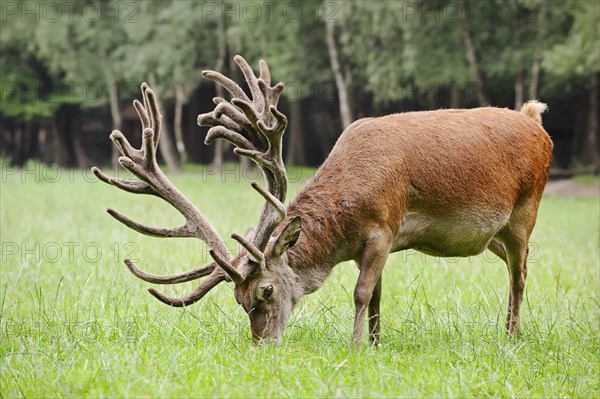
x=76 y=323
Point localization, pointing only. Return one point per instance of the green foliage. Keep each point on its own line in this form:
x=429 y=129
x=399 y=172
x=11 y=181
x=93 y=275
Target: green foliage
x=291 y=39
x=75 y=323
x=393 y=49
x=25 y=92
x=434 y=40
x=173 y=40
x=84 y=52
x=386 y=67
x=578 y=52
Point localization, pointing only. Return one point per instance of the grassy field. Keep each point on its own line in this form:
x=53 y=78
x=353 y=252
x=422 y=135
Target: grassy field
x=76 y=323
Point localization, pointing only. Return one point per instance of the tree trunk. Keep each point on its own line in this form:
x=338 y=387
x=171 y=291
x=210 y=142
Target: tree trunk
x=117 y=121
x=472 y=56
x=295 y=153
x=77 y=137
x=165 y=144
x=340 y=82
x=16 y=159
x=581 y=115
x=219 y=145
x=537 y=55
x=519 y=89
x=60 y=152
x=516 y=45
x=43 y=144
x=179 y=101
x=454 y=96
x=535 y=77
x=592 y=125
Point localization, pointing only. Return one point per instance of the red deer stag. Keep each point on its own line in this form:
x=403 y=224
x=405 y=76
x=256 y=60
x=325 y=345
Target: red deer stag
x=446 y=183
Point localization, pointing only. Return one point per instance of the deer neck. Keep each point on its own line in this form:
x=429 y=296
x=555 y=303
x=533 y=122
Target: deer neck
x=322 y=244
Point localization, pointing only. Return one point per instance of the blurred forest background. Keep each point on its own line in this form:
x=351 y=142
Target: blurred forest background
x=70 y=69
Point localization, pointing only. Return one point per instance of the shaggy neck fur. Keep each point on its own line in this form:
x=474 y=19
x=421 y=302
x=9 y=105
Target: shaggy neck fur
x=322 y=243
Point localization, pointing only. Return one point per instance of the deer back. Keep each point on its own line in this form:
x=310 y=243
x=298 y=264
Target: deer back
x=439 y=162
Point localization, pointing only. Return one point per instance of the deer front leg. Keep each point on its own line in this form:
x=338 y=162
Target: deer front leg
x=368 y=286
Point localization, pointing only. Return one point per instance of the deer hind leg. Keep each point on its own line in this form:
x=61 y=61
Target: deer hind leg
x=517 y=271
x=499 y=250
x=515 y=239
x=367 y=294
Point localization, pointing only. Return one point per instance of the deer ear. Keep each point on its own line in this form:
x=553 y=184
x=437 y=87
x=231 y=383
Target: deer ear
x=288 y=236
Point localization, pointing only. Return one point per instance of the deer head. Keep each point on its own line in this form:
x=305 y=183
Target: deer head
x=265 y=285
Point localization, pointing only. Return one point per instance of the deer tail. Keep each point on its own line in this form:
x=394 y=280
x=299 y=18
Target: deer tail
x=534 y=109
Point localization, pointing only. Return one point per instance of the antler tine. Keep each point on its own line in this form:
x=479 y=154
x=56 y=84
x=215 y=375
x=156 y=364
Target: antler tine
x=228 y=268
x=124 y=146
x=220 y=132
x=207 y=284
x=227 y=109
x=190 y=275
x=227 y=116
x=153 y=111
x=232 y=87
x=271 y=95
x=265 y=72
x=142 y=163
x=209 y=119
x=142 y=114
x=255 y=253
x=136 y=187
x=183 y=231
x=270 y=198
x=252 y=81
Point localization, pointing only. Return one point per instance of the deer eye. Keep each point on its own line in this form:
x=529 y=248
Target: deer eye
x=264 y=292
